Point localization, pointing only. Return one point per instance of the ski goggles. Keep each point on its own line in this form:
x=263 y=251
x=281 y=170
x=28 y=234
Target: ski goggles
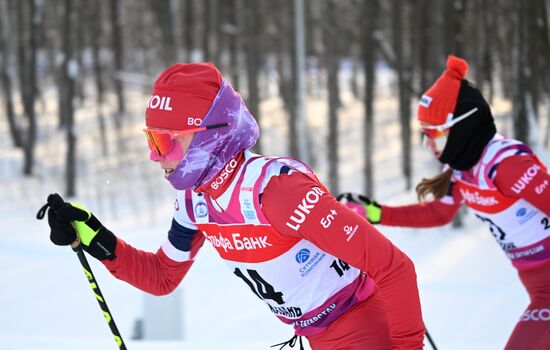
x=161 y=141
x=437 y=131
x=435 y=144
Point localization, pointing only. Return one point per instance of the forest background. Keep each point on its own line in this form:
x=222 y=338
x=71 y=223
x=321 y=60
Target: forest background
x=334 y=83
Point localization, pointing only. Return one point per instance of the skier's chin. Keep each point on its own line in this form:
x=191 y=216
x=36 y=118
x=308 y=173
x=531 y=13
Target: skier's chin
x=168 y=172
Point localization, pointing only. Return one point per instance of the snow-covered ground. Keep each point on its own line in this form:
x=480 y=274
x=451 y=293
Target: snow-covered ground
x=470 y=294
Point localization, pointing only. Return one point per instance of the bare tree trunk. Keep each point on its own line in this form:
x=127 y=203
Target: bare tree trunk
x=80 y=45
x=287 y=70
x=146 y=43
x=404 y=81
x=521 y=47
x=370 y=11
x=485 y=46
x=210 y=40
x=220 y=41
x=22 y=30
x=428 y=39
x=544 y=30
x=235 y=42
x=355 y=73
x=299 y=69
x=6 y=83
x=67 y=87
x=506 y=29
x=545 y=65
x=535 y=39
x=176 y=29
x=455 y=18
x=252 y=19
x=330 y=36
x=187 y=27
x=94 y=22
x=118 y=55
x=51 y=39
x=27 y=57
x=437 y=47
x=206 y=29
x=165 y=21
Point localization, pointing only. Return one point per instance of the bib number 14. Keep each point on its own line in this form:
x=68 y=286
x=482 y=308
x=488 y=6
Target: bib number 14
x=340 y=266
x=259 y=286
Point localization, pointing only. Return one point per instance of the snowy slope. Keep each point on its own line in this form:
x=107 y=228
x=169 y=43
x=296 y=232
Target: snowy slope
x=470 y=295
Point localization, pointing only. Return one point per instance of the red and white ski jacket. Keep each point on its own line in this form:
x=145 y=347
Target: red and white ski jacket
x=308 y=257
x=508 y=188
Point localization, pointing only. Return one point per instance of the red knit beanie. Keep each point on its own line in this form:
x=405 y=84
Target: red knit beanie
x=182 y=96
x=438 y=104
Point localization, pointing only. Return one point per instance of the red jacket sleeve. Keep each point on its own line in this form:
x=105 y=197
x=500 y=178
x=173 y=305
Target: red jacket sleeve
x=154 y=273
x=429 y=214
x=524 y=177
x=341 y=232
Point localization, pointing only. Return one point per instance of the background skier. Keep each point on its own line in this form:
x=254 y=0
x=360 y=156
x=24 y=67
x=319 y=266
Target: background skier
x=501 y=180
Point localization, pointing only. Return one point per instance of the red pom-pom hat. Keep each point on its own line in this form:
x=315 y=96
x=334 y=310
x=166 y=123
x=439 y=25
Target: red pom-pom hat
x=438 y=104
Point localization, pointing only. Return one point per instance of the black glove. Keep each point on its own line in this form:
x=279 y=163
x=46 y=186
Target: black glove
x=70 y=221
x=363 y=205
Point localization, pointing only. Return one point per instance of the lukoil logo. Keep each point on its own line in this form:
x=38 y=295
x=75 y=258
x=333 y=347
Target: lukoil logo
x=521 y=212
x=302 y=256
x=526 y=178
x=304 y=208
x=159 y=102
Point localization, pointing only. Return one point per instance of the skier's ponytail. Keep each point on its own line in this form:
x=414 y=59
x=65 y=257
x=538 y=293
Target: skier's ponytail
x=437 y=186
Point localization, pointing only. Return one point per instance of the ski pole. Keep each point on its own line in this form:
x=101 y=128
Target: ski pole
x=55 y=202
x=100 y=299
x=430 y=340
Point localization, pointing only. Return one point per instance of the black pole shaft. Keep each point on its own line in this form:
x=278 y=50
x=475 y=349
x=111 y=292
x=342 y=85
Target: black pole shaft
x=430 y=340
x=99 y=297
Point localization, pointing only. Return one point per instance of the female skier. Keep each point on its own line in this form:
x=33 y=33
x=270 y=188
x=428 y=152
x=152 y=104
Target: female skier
x=316 y=264
x=501 y=180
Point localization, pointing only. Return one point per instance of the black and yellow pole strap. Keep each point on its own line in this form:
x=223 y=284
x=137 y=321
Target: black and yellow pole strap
x=99 y=297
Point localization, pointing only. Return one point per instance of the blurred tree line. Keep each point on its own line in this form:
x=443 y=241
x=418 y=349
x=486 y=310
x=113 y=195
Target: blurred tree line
x=109 y=43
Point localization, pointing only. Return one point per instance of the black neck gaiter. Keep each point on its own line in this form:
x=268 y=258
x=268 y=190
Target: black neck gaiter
x=469 y=137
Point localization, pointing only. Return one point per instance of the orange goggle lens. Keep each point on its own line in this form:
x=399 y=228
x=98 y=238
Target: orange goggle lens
x=433 y=133
x=161 y=143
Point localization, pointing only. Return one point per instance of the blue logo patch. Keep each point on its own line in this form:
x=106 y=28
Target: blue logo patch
x=521 y=212
x=302 y=256
x=425 y=101
x=201 y=210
